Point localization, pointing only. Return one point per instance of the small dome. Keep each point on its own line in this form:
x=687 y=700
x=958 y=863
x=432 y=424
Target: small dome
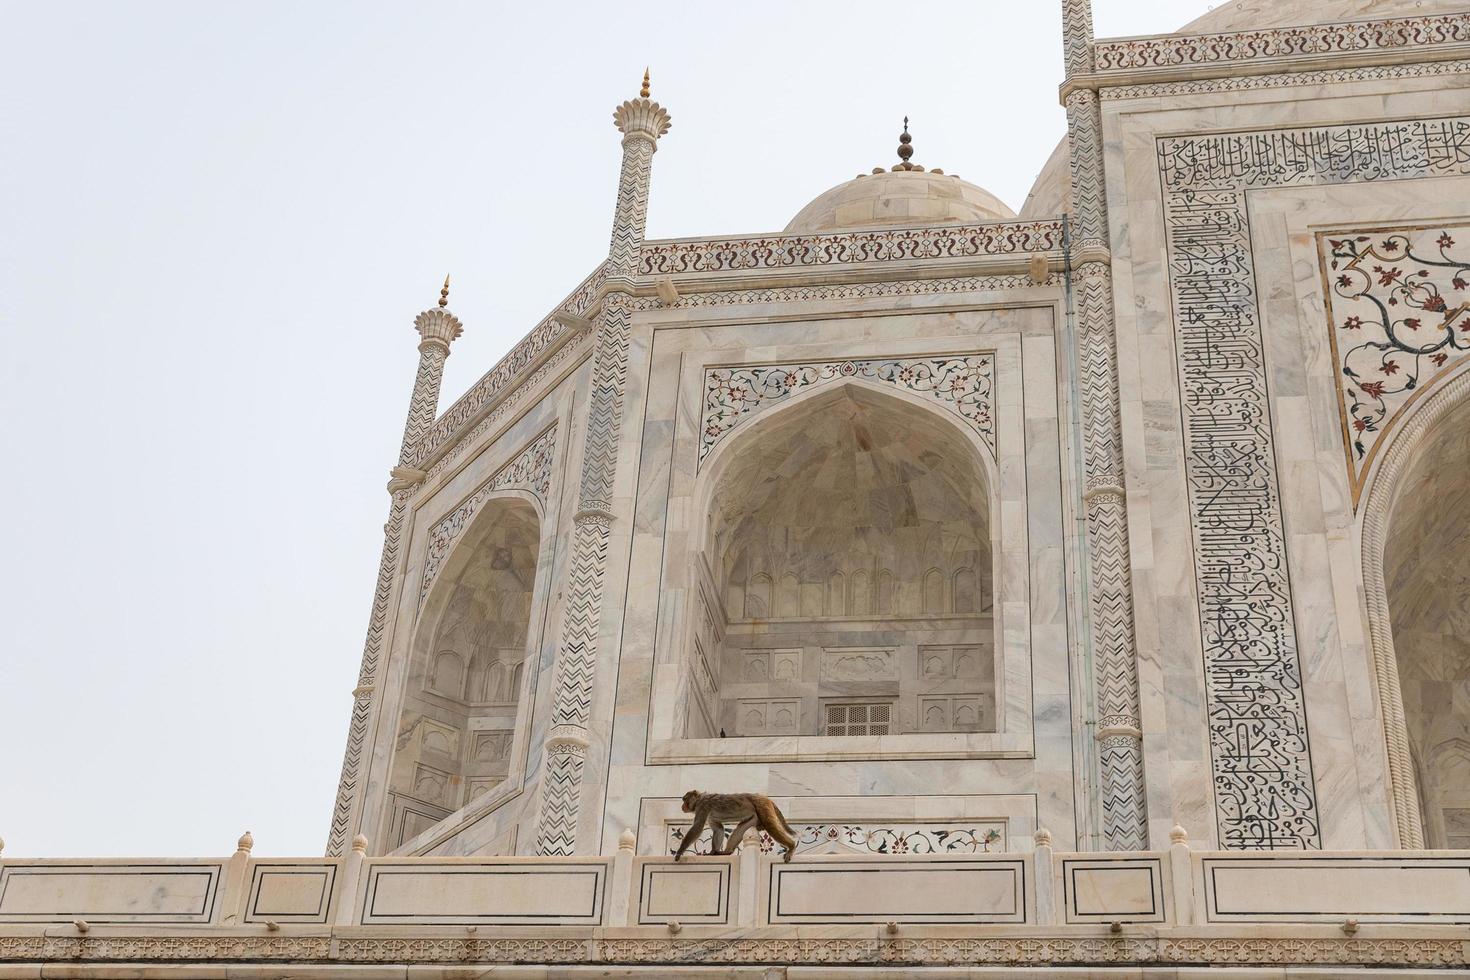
x=899 y=198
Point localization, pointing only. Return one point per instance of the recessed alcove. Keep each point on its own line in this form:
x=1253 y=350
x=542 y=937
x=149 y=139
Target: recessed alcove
x=1427 y=576
x=845 y=579
x=464 y=691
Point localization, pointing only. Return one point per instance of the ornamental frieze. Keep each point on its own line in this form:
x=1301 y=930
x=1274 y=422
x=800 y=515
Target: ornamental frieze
x=775 y=252
x=1177 y=51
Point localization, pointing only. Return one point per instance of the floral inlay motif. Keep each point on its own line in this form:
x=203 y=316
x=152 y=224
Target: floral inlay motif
x=1399 y=308
x=899 y=839
x=844 y=248
x=530 y=470
x=965 y=384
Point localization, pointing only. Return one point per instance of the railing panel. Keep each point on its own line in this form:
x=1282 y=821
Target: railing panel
x=292 y=891
x=1367 y=886
x=690 y=892
x=930 y=889
x=466 y=892
x=1099 y=888
x=111 y=892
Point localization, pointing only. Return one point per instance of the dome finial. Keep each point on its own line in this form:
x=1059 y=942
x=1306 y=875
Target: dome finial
x=444 y=294
x=644 y=92
x=905 y=148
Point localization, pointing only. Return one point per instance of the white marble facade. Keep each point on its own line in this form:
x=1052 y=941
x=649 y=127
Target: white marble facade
x=922 y=524
x=1087 y=584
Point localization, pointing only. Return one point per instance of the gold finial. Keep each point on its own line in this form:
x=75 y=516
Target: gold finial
x=644 y=92
x=444 y=294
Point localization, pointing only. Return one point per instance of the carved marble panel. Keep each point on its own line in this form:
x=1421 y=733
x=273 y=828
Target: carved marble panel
x=863 y=664
x=776 y=716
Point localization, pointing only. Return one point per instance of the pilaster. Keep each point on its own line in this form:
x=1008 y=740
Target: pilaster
x=1123 y=811
x=437 y=328
x=641 y=122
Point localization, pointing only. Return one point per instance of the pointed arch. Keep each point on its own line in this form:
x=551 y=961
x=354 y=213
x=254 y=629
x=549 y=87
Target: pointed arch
x=867 y=506
x=1396 y=473
x=462 y=682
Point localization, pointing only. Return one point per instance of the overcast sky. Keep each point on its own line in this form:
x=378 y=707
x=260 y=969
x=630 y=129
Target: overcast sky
x=219 y=221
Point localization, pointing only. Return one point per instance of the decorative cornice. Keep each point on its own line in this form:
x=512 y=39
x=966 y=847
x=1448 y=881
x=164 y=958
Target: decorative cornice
x=847 y=291
x=1198 y=59
x=1322 y=40
x=1241 y=83
x=323 y=952
x=781 y=252
x=524 y=357
x=447 y=448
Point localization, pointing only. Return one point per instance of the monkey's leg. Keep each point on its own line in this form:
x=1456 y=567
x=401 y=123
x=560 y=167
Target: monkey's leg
x=690 y=836
x=716 y=836
x=739 y=832
x=778 y=833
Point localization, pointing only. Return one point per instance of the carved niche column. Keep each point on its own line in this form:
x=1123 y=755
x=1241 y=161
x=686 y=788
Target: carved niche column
x=437 y=328
x=1115 y=663
x=641 y=122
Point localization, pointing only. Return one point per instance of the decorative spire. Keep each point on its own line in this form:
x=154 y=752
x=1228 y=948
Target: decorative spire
x=437 y=326
x=905 y=150
x=642 y=117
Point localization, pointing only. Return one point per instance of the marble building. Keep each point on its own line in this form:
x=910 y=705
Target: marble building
x=1117 y=545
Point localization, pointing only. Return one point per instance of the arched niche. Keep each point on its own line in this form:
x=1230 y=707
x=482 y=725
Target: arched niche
x=845 y=576
x=466 y=688
x=1417 y=566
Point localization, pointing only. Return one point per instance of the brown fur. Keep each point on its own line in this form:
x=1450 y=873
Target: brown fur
x=745 y=810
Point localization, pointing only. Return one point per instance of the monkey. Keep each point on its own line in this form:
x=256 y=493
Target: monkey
x=746 y=809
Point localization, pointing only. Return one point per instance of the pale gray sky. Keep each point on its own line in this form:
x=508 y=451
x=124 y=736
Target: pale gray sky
x=219 y=222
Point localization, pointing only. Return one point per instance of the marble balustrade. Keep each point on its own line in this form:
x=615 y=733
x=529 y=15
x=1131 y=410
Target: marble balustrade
x=1035 y=889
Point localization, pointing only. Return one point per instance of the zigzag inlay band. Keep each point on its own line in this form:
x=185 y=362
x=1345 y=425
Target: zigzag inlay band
x=346 y=813
x=576 y=661
x=1123 y=807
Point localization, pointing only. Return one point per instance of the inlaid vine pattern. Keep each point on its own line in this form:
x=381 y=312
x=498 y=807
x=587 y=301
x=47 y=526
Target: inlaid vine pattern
x=965 y=384
x=898 y=839
x=1399 y=308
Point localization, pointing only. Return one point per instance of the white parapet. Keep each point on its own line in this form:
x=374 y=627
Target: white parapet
x=1379 y=908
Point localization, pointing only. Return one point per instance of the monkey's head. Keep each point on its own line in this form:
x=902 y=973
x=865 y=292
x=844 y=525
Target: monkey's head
x=691 y=800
